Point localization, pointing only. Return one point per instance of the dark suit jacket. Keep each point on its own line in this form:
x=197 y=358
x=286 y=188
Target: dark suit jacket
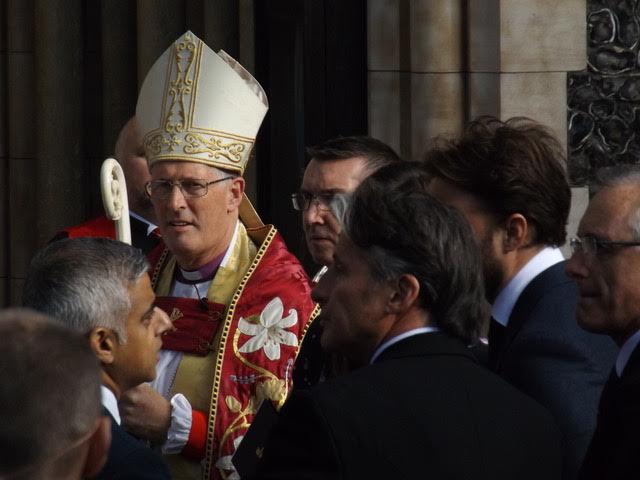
x=424 y=409
x=129 y=459
x=614 y=452
x=103 y=227
x=548 y=356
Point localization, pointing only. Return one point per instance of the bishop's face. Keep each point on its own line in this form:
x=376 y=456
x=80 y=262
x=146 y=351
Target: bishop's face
x=196 y=230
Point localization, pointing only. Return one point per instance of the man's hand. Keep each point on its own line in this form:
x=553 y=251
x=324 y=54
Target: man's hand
x=145 y=413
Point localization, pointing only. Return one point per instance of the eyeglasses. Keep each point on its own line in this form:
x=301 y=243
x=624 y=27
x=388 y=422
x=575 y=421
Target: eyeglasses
x=591 y=246
x=302 y=201
x=192 y=188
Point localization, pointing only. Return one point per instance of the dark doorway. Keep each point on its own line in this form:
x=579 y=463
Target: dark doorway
x=311 y=58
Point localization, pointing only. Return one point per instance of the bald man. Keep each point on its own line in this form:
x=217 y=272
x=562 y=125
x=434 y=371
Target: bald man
x=129 y=151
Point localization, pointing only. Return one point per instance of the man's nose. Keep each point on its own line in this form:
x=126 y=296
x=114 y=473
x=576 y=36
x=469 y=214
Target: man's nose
x=176 y=199
x=576 y=267
x=163 y=322
x=315 y=213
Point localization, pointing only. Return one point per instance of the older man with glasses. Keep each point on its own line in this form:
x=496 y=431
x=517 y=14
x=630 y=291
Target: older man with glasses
x=239 y=300
x=606 y=266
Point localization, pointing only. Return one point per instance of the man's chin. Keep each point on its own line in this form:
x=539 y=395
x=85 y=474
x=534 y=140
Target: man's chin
x=321 y=256
x=327 y=341
x=587 y=322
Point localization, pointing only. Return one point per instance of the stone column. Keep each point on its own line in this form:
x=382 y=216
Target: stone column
x=519 y=56
x=415 y=71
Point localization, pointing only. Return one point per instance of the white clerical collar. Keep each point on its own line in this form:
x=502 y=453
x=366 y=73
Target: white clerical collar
x=150 y=226
x=402 y=336
x=195 y=289
x=508 y=296
x=110 y=402
x=625 y=352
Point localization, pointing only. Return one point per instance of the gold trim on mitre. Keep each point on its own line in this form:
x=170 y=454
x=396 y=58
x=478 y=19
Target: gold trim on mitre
x=199 y=106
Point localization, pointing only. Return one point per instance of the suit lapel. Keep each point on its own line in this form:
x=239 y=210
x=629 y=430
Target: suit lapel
x=530 y=296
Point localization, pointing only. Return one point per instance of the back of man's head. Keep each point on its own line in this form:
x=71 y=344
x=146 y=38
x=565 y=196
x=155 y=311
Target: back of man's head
x=404 y=230
x=83 y=282
x=49 y=400
x=376 y=154
x=130 y=153
x=514 y=166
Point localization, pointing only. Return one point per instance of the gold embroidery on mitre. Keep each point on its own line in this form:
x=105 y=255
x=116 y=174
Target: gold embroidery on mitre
x=214 y=147
x=189 y=76
x=181 y=88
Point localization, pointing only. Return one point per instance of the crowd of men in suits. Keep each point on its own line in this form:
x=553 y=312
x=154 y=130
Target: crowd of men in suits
x=395 y=378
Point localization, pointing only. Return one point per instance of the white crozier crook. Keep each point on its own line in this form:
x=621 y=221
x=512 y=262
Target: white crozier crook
x=114 y=198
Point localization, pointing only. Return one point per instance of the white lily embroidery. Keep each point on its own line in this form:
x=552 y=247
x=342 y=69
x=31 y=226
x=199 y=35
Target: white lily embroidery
x=269 y=333
x=224 y=462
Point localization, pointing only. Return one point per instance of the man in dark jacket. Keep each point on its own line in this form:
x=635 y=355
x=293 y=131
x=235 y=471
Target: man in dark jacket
x=402 y=300
x=508 y=179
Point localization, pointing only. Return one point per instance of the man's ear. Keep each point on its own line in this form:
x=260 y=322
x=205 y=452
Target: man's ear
x=103 y=342
x=517 y=232
x=99 y=444
x=404 y=294
x=235 y=193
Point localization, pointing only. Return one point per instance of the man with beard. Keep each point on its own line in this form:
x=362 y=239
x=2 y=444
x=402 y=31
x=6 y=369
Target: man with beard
x=129 y=152
x=402 y=300
x=508 y=179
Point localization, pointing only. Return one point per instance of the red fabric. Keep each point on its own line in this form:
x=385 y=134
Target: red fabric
x=96 y=227
x=277 y=279
x=194 y=327
x=279 y=274
x=196 y=444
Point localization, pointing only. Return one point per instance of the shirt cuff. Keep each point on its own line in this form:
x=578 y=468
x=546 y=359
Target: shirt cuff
x=180 y=425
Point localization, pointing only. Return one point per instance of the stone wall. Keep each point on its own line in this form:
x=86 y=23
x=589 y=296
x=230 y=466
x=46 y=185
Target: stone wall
x=434 y=65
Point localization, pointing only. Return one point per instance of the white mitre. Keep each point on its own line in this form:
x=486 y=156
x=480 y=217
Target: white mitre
x=199 y=106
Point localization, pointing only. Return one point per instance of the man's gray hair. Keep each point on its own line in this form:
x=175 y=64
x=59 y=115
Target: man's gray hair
x=83 y=282
x=617 y=176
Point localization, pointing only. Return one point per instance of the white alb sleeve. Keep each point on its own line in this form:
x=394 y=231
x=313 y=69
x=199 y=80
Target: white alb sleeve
x=180 y=425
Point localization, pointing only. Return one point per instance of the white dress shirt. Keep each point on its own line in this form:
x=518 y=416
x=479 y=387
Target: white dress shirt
x=150 y=226
x=110 y=402
x=402 y=336
x=508 y=296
